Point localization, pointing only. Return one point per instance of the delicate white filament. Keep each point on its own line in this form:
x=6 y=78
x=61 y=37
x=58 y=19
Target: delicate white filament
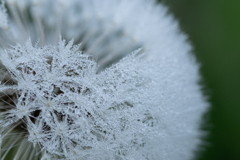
x=3 y=17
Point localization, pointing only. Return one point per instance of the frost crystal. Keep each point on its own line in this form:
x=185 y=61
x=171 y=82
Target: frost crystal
x=126 y=88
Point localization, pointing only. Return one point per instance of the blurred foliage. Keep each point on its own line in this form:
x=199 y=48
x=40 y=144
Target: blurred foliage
x=213 y=27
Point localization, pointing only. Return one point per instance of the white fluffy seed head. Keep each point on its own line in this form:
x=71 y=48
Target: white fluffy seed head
x=126 y=87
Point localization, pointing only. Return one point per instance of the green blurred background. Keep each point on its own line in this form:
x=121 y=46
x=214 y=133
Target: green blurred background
x=213 y=27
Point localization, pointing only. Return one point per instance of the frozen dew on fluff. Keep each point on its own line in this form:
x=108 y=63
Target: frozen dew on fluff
x=96 y=80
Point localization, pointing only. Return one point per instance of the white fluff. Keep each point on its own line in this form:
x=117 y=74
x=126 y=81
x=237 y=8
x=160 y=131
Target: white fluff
x=125 y=88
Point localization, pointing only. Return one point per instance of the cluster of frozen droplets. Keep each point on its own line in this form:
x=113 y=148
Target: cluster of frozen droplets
x=124 y=88
x=70 y=110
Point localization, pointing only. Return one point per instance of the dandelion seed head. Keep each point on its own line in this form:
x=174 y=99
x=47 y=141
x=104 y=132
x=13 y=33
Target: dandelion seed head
x=118 y=83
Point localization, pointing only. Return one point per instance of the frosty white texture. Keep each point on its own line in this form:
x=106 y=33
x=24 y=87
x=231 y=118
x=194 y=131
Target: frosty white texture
x=125 y=88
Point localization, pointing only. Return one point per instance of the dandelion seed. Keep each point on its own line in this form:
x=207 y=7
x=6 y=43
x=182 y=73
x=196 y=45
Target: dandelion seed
x=118 y=83
x=3 y=17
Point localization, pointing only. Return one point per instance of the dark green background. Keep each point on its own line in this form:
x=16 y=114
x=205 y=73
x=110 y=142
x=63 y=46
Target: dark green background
x=213 y=27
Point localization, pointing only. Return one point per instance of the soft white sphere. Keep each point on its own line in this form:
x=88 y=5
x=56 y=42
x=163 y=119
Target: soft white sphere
x=91 y=79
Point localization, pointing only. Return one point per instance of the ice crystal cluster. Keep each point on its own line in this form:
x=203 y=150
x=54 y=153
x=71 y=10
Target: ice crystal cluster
x=91 y=79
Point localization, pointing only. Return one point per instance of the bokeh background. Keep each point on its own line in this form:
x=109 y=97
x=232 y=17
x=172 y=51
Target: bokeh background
x=213 y=27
